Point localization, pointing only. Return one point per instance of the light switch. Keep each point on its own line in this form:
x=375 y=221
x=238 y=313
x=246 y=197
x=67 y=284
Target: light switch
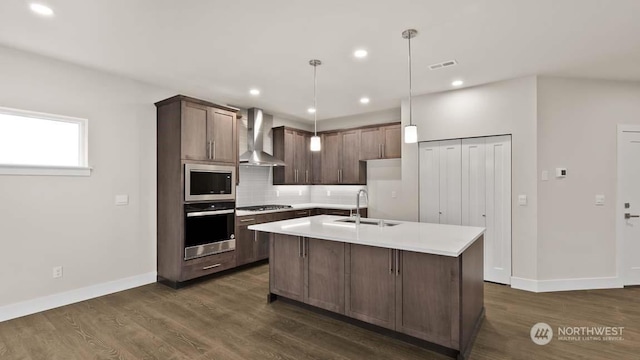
x=522 y=200
x=599 y=200
x=122 y=200
x=545 y=175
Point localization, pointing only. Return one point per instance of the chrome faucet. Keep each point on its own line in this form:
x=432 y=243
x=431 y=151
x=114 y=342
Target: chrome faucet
x=358 y=204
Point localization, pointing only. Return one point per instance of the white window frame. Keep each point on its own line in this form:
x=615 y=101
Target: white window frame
x=82 y=170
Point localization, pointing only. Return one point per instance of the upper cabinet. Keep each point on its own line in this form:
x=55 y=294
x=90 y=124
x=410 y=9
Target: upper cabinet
x=383 y=142
x=292 y=147
x=208 y=132
x=341 y=160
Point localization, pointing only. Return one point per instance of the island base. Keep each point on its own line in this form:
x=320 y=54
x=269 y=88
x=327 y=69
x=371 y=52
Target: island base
x=453 y=353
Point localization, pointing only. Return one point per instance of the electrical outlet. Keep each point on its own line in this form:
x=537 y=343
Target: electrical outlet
x=277 y=193
x=328 y=192
x=57 y=272
x=299 y=192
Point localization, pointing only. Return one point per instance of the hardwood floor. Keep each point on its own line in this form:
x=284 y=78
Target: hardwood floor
x=228 y=318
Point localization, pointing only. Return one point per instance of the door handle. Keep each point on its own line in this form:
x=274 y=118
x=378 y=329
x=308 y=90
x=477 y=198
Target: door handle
x=383 y=151
x=300 y=246
x=209 y=143
x=255 y=236
x=390 y=261
x=214 y=149
x=211 y=266
x=306 y=175
x=629 y=216
x=379 y=151
x=397 y=262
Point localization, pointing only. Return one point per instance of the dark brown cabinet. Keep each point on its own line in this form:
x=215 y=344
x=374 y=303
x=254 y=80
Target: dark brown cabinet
x=245 y=240
x=370 y=285
x=188 y=131
x=383 y=142
x=286 y=276
x=324 y=274
x=208 y=134
x=308 y=270
x=292 y=147
x=340 y=162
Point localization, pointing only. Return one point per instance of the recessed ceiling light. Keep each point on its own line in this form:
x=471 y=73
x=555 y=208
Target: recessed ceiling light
x=457 y=83
x=360 y=53
x=311 y=110
x=364 y=100
x=41 y=9
x=254 y=92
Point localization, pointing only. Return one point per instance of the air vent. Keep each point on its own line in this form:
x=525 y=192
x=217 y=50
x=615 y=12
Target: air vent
x=443 y=64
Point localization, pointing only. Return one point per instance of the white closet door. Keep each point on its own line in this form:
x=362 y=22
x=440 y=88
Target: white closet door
x=473 y=182
x=429 y=164
x=497 y=240
x=451 y=182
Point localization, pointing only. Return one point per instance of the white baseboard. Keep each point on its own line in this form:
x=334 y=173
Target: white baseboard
x=33 y=306
x=566 y=284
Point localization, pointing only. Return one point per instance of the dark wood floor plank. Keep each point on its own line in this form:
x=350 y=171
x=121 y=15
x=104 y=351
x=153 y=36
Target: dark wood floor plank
x=228 y=318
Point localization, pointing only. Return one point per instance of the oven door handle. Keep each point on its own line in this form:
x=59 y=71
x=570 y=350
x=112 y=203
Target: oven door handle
x=209 y=213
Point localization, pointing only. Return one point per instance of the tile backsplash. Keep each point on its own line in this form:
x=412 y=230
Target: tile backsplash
x=256 y=188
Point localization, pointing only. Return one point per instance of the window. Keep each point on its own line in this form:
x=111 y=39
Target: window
x=42 y=144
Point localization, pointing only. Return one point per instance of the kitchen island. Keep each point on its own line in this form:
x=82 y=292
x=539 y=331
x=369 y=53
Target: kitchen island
x=419 y=282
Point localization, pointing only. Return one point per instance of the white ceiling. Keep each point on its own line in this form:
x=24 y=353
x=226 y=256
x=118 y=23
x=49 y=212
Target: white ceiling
x=218 y=50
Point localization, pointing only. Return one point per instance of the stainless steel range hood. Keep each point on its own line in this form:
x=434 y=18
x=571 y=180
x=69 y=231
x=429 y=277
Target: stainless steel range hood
x=255 y=141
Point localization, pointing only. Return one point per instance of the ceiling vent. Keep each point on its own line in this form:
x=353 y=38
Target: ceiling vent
x=443 y=65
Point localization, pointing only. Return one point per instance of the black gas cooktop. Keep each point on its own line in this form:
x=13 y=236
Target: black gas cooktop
x=265 y=207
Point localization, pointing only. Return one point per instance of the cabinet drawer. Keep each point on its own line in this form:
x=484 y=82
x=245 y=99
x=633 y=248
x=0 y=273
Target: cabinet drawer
x=246 y=220
x=337 y=212
x=300 y=213
x=208 y=265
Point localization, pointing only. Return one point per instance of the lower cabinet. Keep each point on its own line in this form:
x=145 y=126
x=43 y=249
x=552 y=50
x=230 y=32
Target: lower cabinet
x=370 y=285
x=412 y=293
x=245 y=240
x=286 y=266
x=308 y=270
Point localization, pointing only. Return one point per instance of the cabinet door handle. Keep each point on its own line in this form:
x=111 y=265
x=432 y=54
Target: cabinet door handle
x=397 y=262
x=379 y=150
x=304 y=248
x=214 y=149
x=209 y=149
x=255 y=236
x=383 y=150
x=306 y=176
x=245 y=220
x=211 y=266
x=300 y=246
x=390 y=261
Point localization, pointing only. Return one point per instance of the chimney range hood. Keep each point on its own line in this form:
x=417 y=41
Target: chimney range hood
x=255 y=141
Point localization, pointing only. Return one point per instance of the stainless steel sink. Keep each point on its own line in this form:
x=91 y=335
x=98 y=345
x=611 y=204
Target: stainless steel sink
x=369 y=222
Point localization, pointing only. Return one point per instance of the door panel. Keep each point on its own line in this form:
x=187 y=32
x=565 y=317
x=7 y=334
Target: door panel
x=370 y=285
x=194 y=132
x=392 y=142
x=426 y=296
x=221 y=131
x=498 y=210
x=350 y=167
x=370 y=142
x=450 y=182
x=287 y=270
x=429 y=159
x=324 y=274
x=473 y=182
x=331 y=147
x=629 y=192
x=289 y=156
x=300 y=158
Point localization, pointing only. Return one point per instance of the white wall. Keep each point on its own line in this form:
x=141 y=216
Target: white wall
x=577 y=121
x=507 y=107
x=47 y=221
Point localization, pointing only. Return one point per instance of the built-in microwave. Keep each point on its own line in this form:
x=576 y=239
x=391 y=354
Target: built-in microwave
x=204 y=182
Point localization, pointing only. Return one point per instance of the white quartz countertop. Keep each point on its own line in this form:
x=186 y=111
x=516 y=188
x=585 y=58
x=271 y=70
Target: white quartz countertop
x=301 y=207
x=438 y=239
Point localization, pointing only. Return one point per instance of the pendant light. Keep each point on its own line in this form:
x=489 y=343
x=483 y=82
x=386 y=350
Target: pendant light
x=315 y=139
x=411 y=130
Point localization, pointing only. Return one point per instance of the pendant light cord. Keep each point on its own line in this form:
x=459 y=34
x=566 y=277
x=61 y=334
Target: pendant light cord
x=315 y=102
x=410 y=89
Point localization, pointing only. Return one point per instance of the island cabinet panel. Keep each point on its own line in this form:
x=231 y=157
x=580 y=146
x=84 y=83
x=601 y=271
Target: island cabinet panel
x=427 y=297
x=286 y=269
x=370 y=285
x=324 y=274
x=245 y=240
